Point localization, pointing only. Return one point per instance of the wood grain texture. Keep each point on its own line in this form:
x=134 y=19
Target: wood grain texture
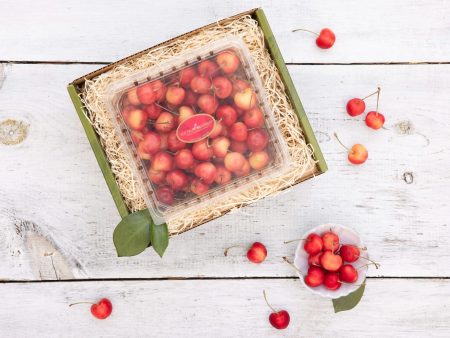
x=368 y=31
x=389 y=308
x=52 y=188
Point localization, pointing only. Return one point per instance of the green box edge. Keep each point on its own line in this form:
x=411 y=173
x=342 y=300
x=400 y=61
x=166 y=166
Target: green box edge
x=275 y=52
x=99 y=153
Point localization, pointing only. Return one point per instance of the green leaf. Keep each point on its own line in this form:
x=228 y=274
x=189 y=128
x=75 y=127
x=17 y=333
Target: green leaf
x=159 y=237
x=350 y=301
x=132 y=234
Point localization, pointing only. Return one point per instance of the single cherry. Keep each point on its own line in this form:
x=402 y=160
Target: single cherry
x=257 y=252
x=313 y=244
x=331 y=281
x=348 y=274
x=349 y=253
x=358 y=154
x=357 y=106
x=278 y=319
x=330 y=261
x=100 y=310
x=374 y=119
x=314 y=277
x=325 y=39
x=330 y=241
x=314 y=260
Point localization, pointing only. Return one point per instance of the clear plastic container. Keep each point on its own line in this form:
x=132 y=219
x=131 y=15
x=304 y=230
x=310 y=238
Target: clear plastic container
x=197 y=128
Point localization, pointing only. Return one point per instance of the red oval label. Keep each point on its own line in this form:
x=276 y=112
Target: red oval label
x=195 y=128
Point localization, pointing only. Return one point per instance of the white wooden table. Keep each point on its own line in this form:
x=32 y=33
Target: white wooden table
x=57 y=216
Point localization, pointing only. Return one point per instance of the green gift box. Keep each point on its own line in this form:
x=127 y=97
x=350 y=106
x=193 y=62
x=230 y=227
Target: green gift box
x=76 y=87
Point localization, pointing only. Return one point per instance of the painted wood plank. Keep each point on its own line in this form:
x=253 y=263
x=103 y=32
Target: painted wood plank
x=369 y=31
x=222 y=308
x=57 y=215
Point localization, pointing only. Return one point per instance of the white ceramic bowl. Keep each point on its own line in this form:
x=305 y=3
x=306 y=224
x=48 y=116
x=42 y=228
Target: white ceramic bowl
x=346 y=236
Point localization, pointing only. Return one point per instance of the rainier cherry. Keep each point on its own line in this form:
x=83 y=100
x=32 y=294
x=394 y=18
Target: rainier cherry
x=259 y=160
x=325 y=39
x=374 y=119
x=202 y=151
x=220 y=146
x=257 y=252
x=228 y=61
x=245 y=99
x=135 y=118
x=358 y=154
x=207 y=103
x=100 y=310
x=222 y=87
x=186 y=75
x=257 y=139
x=175 y=95
x=254 y=118
x=234 y=161
x=227 y=114
x=357 y=106
x=349 y=253
x=151 y=143
x=177 y=179
x=330 y=241
x=184 y=159
x=314 y=277
x=165 y=122
x=200 y=84
x=314 y=260
x=157 y=177
x=208 y=68
x=278 y=319
x=198 y=187
x=133 y=97
x=313 y=244
x=165 y=195
x=146 y=94
x=206 y=171
x=348 y=274
x=330 y=261
x=239 y=131
x=153 y=111
x=331 y=281
x=162 y=161
x=223 y=175
x=245 y=170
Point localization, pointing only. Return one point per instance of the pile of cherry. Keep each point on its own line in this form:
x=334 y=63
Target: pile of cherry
x=236 y=145
x=329 y=261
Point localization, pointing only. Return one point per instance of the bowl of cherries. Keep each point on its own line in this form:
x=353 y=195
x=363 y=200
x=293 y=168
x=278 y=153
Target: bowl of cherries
x=332 y=261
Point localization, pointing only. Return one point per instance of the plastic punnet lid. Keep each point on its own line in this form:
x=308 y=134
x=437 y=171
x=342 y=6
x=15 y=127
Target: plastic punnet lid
x=197 y=128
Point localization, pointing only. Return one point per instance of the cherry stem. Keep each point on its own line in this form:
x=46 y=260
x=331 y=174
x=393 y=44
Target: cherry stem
x=342 y=144
x=304 y=30
x=371 y=263
x=167 y=109
x=81 y=303
x=375 y=92
x=294 y=240
x=378 y=98
x=225 y=253
x=267 y=302
x=291 y=264
x=154 y=122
